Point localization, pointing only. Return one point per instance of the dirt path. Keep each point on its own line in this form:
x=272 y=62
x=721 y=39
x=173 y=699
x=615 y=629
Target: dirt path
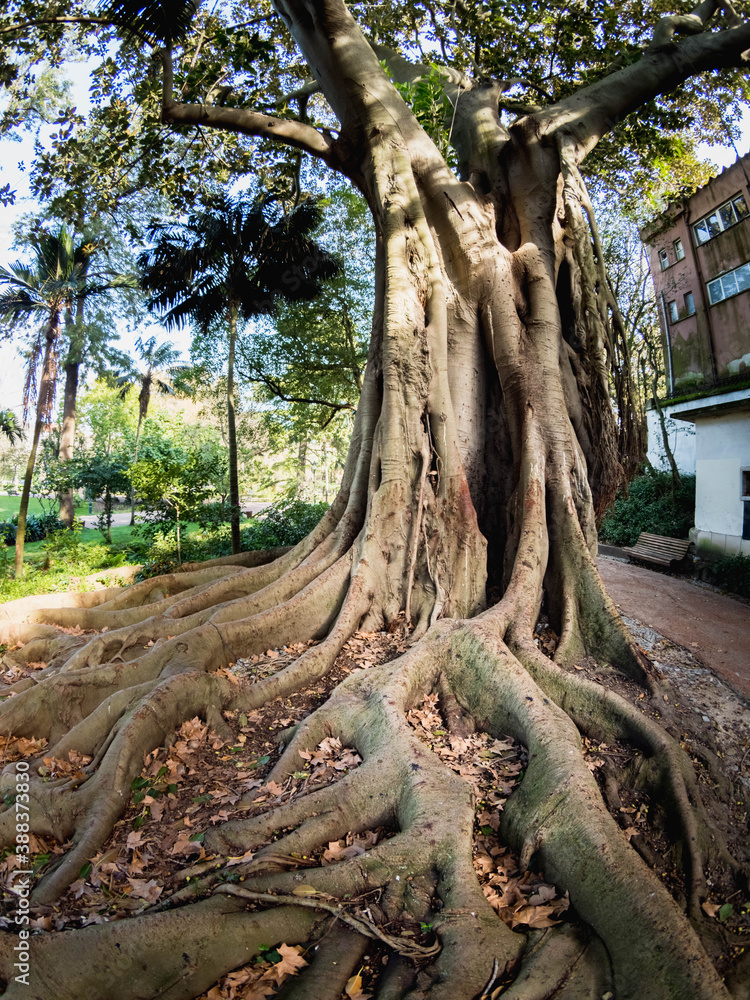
x=715 y=628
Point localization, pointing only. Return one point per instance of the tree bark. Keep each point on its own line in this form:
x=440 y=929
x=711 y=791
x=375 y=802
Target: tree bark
x=234 y=481
x=43 y=405
x=67 y=436
x=144 y=397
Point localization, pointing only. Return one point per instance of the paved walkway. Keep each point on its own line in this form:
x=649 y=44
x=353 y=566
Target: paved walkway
x=713 y=627
x=123 y=517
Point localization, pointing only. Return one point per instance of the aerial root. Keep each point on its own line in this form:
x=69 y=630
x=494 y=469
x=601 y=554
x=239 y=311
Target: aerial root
x=89 y=811
x=362 y=926
x=137 y=602
x=423 y=868
x=115 y=715
x=175 y=955
x=60 y=702
x=318 y=817
x=13 y=614
x=156 y=642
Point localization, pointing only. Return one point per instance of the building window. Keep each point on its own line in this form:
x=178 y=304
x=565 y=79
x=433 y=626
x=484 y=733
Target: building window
x=689 y=304
x=722 y=218
x=673 y=314
x=729 y=284
x=679 y=250
x=663 y=259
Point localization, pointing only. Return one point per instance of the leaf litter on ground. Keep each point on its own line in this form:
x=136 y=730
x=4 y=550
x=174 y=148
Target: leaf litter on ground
x=492 y=767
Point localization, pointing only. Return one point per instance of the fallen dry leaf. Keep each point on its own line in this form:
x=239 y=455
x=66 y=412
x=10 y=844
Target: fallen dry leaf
x=290 y=964
x=353 y=989
x=142 y=889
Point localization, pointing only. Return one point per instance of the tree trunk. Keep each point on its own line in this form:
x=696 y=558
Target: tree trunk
x=43 y=406
x=67 y=436
x=653 y=360
x=179 y=547
x=234 y=483
x=108 y=515
x=484 y=445
x=135 y=459
x=301 y=464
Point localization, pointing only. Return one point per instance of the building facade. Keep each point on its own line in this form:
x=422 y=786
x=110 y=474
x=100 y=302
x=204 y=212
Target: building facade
x=700 y=262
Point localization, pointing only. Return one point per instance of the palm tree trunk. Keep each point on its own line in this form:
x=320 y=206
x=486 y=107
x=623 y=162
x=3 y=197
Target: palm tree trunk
x=41 y=409
x=179 y=550
x=67 y=437
x=234 y=485
x=135 y=459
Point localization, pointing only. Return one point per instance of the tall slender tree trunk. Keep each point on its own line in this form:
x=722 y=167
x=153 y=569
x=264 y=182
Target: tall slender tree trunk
x=301 y=463
x=42 y=409
x=67 y=437
x=135 y=459
x=179 y=547
x=234 y=485
x=653 y=359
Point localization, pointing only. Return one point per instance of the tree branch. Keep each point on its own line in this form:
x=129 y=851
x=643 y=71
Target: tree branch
x=691 y=24
x=595 y=110
x=275 y=388
x=37 y=22
x=290 y=133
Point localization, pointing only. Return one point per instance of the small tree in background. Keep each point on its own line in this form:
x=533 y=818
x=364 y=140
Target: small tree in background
x=101 y=475
x=9 y=427
x=172 y=491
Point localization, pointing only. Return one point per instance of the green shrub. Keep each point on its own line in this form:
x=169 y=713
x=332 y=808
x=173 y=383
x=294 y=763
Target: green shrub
x=285 y=523
x=214 y=517
x=731 y=573
x=652 y=505
x=38 y=526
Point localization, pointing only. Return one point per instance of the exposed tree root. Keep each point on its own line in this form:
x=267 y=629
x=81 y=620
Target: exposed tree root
x=165 y=657
x=175 y=955
x=492 y=333
x=422 y=872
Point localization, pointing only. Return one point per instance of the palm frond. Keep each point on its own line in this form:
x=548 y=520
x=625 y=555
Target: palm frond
x=160 y=22
x=9 y=426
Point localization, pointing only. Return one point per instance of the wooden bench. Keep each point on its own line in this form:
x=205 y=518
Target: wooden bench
x=659 y=549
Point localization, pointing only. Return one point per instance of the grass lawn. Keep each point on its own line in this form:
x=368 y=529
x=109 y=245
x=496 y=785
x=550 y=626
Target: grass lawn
x=67 y=568
x=9 y=506
x=92 y=536
x=89 y=536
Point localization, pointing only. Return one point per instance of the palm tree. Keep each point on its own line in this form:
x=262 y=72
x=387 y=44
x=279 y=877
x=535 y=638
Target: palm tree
x=158 y=369
x=52 y=287
x=86 y=342
x=229 y=263
x=9 y=426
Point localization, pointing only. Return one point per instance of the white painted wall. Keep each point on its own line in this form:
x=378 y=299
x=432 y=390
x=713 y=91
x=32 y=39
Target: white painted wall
x=715 y=447
x=681 y=440
x=722 y=449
